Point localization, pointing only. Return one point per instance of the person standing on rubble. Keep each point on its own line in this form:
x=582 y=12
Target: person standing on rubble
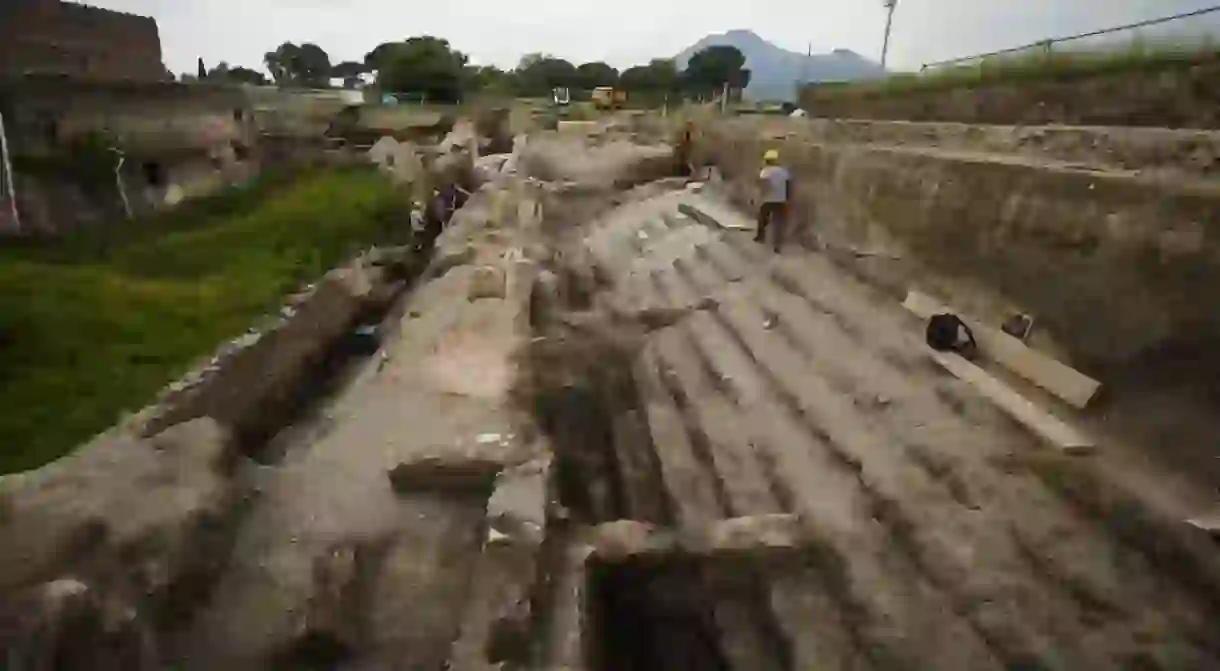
x=775 y=187
x=683 y=150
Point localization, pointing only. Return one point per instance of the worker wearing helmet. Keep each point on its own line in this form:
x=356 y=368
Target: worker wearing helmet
x=774 y=184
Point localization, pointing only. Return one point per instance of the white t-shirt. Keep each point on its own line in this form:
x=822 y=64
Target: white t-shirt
x=775 y=184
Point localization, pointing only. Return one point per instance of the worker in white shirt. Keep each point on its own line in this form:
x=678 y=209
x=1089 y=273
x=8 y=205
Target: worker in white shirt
x=774 y=183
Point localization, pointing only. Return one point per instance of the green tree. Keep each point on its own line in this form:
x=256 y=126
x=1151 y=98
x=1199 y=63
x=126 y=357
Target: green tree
x=349 y=72
x=314 y=64
x=711 y=69
x=658 y=78
x=425 y=65
x=488 y=78
x=665 y=74
x=220 y=72
x=740 y=80
x=636 y=78
x=247 y=76
x=224 y=73
x=593 y=75
x=529 y=60
x=348 y=69
x=380 y=55
x=537 y=74
x=303 y=65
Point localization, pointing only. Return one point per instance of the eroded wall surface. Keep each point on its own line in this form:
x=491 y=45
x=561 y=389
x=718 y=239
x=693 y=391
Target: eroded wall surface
x=66 y=38
x=1172 y=93
x=1116 y=264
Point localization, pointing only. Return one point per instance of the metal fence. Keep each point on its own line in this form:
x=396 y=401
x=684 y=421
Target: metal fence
x=1193 y=26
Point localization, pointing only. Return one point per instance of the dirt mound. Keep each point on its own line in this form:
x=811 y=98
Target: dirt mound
x=104 y=547
x=617 y=163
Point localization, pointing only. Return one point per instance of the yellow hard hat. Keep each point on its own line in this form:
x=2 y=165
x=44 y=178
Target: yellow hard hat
x=771 y=156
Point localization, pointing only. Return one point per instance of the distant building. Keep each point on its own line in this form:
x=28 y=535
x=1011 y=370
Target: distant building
x=50 y=37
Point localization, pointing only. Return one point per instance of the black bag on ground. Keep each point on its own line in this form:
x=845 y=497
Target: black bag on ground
x=948 y=333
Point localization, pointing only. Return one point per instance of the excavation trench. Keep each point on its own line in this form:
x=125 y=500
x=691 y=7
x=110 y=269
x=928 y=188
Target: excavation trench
x=584 y=397
x=337 y=627
x=652 y=617
x=637 y=616
x=266 y=434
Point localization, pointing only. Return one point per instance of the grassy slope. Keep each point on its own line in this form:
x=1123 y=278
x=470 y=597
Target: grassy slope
x=89 y=330
x=1031 y=66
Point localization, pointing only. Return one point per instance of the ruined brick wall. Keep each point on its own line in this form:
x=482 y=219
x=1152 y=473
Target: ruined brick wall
x=45 y=114
x=192 y=134
x=51 y=37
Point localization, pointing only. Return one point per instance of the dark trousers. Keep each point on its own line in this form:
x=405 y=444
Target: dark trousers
x=774 y=215
x=682 y=166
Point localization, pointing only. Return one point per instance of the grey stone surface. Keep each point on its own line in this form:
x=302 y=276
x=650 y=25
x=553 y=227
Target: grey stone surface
x=487 y=282
x=517 y=507
x=117 y=491
x=107 y=535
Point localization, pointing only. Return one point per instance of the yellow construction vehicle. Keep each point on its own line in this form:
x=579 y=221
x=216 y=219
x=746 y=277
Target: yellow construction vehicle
x=608 y=98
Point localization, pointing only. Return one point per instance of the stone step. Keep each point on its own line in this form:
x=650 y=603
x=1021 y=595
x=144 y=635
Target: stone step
x=743 y=484
x=909 y=403
x=690 y=484
x=855 y=553
x=751 y=537
x=869 y=355
x=936 y=531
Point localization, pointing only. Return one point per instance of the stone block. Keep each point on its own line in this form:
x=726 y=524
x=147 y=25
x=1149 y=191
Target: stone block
x=439 y=473
x=487 y=282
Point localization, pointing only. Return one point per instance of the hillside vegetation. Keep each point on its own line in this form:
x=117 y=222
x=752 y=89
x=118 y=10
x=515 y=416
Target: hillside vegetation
x=1031 y=66
x=90 y=328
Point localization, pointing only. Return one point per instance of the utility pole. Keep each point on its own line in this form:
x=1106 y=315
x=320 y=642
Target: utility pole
x=889 y=22
x=7 y=188
x=804 y=80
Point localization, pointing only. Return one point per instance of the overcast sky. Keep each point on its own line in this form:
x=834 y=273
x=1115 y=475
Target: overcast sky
x=621 y=32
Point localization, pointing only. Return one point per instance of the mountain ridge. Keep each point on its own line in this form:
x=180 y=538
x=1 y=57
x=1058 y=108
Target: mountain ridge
x=775 y=71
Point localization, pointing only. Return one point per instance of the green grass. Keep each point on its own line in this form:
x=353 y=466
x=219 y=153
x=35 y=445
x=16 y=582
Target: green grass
x=91 y=327
x=1033 y=65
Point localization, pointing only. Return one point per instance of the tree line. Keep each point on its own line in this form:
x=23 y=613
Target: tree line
x=429 y=67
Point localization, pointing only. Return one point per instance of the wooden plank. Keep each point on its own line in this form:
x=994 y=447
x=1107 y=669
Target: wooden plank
x=1061 y=380
x=1208 y=521
x=710 y=214
x=1043 y=424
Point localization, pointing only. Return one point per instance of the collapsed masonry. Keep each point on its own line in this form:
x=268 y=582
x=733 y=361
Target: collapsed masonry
x=606 y=431
x=198 y=533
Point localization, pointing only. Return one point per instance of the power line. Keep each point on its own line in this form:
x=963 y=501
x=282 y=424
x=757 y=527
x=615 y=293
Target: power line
x=1047 y=42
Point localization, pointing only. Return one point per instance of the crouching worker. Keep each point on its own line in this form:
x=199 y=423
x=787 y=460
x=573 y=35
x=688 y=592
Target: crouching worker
x=774 y=183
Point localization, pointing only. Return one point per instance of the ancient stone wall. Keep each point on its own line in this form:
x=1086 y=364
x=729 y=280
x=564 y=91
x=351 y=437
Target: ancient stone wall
x=43 y=36
x=178 y=141
x=44 y=112
x=258 y=372
x=1114 y=264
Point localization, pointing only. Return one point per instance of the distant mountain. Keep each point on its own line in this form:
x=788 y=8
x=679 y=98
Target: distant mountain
x=776 y=71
